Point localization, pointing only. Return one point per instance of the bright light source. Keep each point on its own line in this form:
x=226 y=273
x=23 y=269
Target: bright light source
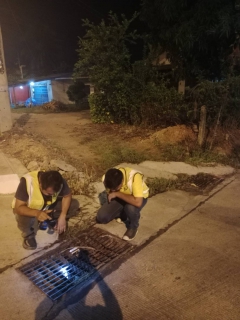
x=21 y=87
x=31 y=83
x=64 y=272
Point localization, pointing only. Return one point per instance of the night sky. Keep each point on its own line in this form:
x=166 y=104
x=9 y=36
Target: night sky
x=52 y=25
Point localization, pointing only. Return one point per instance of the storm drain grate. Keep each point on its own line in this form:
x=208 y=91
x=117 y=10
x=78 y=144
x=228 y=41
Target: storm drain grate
x=200 y=183
x=74 y=262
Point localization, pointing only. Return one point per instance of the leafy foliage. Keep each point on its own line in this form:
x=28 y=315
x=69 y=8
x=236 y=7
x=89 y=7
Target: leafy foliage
x=221 y=98
x=161 y=105
x=198 y=35
x=124 y=92
x=104 y=57
x=77 y=91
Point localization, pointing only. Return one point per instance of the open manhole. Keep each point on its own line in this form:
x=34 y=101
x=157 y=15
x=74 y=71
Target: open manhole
x=74 y=262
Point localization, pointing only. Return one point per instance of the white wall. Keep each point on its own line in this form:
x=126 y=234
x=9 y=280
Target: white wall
x=59 y=90
x=49 y=89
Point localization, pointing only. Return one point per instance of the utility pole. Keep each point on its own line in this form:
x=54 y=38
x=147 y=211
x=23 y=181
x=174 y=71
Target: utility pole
x=5 y=108
x=21 y=66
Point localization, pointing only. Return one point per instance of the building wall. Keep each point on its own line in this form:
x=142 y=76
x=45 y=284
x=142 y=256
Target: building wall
x=49 y=89
x=19 y=94
x=59 y=90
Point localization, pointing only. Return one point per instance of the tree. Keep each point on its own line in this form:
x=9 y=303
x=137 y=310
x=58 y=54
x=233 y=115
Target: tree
x=77 y=91
x=105 y=59
x=125 y=92
x=198 y=35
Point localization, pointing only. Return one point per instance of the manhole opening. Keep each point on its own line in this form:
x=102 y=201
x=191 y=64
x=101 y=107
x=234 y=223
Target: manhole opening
x=74 y=262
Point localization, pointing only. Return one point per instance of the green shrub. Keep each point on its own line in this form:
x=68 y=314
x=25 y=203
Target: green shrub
x=162 y=105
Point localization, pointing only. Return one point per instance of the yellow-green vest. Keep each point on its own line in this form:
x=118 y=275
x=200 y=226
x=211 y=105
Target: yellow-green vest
x=35 y=200
x=128 y=178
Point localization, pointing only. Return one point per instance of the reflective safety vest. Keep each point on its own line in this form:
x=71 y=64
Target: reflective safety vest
x=128 y=180
x=35 y=200
x=128 y=176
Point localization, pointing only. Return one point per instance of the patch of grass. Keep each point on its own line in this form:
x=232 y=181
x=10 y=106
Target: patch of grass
x=112 y=154
x=199 y=183
x=198 y=156
x=173 y=153
x=191 y=154
x=159 y=185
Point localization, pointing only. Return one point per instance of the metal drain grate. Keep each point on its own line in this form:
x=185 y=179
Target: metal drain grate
x=200 y=183
x=74 y=262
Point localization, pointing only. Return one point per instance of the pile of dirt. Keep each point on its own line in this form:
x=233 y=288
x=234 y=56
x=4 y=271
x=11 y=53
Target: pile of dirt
x=174 y=135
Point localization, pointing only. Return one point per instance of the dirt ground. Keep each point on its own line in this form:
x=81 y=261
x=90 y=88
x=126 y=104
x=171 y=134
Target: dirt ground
x=72 y=137
x=68 y=136
x=62 y=131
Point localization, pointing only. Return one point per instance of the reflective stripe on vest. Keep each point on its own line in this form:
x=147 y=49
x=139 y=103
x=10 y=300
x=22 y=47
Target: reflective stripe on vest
x=36 y=200
x=131 y=179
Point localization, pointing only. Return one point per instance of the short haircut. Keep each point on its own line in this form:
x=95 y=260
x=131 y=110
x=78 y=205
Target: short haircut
x=51 y=179
x=113 y=178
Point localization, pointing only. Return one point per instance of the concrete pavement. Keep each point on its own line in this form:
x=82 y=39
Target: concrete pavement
x=190 y=271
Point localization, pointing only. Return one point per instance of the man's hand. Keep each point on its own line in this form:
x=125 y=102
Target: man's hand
x=43 y=215
x=129 y=198
x=112 y=195
x=61 y=224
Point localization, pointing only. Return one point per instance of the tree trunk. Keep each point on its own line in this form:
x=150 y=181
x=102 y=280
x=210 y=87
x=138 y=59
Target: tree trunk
x=202 y=126
x=181 y=86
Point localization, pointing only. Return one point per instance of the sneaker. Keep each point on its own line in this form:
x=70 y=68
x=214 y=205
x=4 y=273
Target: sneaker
x=30 y=244
x=130 y=234
x=119 y=220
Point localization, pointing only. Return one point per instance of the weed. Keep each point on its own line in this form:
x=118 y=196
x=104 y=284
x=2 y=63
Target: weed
x=196 y=183
x=173 y=153
x=159 y=185
x=81 y=182
x=191 y=154
x=112 y=154
x=198 y=156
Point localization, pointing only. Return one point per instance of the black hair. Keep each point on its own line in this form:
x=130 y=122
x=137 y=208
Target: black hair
x=51 y=179
x=113 y=178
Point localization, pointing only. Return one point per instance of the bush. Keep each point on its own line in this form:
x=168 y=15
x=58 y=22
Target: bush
x=162 y=105
x=76 y=92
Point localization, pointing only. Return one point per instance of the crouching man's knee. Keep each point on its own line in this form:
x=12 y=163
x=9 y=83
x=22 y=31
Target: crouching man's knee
x=102 y=217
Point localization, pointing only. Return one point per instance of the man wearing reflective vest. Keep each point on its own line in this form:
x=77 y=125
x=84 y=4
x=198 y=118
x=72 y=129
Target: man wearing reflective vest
x=37 y=195
x=126 y=194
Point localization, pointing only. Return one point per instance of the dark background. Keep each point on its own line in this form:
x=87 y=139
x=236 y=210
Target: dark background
x=51 y=26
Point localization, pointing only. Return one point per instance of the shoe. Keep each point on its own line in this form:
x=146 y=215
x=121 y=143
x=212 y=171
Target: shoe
x=130 y=234
x=119 y=220
x=30 y=244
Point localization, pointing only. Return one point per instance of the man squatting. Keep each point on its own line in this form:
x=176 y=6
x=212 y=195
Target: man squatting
x=125 y=195
x=42 y=196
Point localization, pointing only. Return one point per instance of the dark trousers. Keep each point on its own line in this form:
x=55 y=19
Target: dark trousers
x=29 y=225
x=118 y=208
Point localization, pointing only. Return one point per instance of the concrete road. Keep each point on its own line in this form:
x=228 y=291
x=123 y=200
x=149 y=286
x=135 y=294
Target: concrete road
x=189 y=272
x=189 y=269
